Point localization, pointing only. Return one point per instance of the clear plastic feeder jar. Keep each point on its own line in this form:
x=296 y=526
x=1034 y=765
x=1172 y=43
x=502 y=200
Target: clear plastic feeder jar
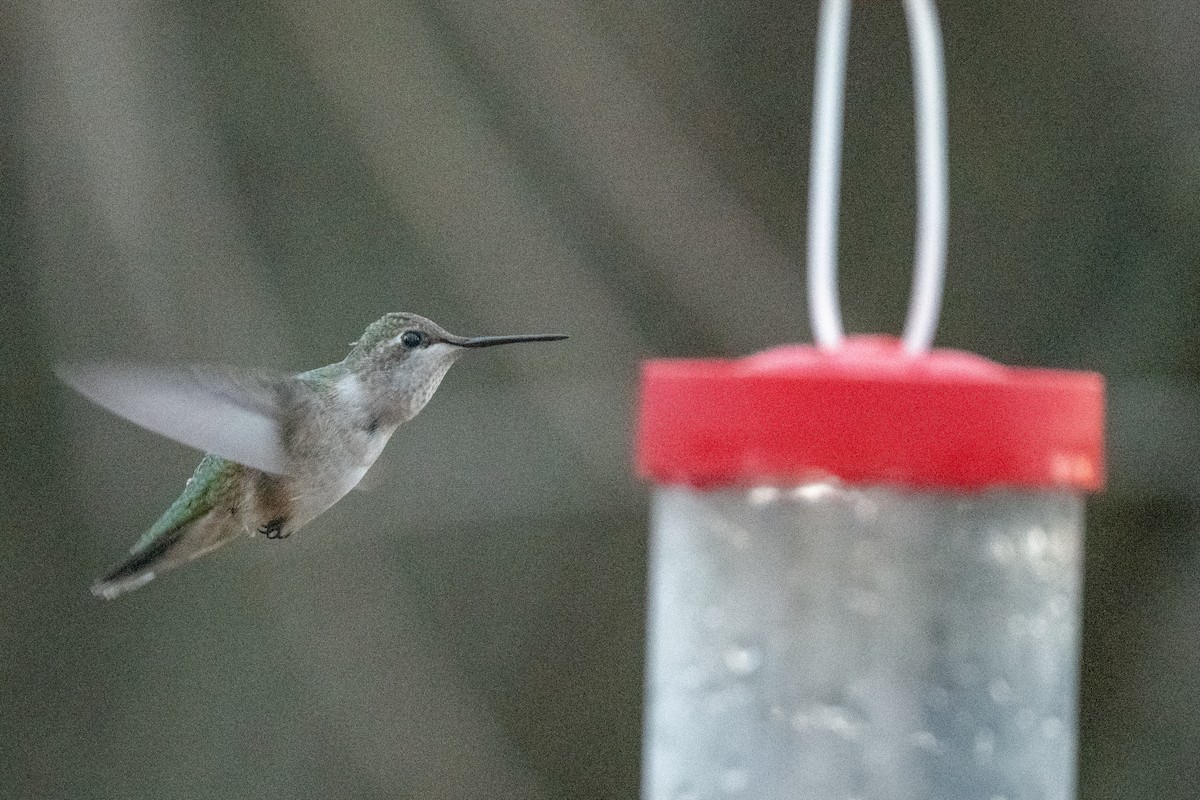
x=865 y=574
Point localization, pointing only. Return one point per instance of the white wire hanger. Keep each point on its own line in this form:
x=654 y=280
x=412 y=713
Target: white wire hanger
x=929 y=99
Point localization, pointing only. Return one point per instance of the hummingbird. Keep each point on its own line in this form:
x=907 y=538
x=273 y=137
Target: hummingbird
x=280 y=449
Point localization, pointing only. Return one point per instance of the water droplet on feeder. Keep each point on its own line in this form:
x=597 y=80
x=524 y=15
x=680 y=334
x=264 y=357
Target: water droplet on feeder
x=742 y=660
x=814 y=492
x=734 y=781
x=967 y=673
x=836 y=720
x=924 y=740
x=1035 y=543
x=868 y=604
x=739 y=538
x=1053 y=728
x=1000 y=691
x=865 y=509
x=763 y=495
x=985 y=746
x=1001 y=549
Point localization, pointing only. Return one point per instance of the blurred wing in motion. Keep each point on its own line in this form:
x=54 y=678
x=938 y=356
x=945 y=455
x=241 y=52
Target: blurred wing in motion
x=235 y=416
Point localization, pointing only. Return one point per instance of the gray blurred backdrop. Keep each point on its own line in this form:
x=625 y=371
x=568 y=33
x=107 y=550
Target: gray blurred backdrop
x=253 y=183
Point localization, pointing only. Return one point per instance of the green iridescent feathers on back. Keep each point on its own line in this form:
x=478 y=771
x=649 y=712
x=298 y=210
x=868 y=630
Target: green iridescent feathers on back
x=207 y=487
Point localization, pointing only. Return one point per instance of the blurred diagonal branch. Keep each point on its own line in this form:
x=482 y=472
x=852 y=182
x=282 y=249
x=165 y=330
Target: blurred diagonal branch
x=419 y=126
x=175 y=258
x=646 y=173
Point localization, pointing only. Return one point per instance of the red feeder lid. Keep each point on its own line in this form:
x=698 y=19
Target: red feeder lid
x=869 y=413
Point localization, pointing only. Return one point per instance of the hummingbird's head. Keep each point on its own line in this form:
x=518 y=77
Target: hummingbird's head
x=411 y=354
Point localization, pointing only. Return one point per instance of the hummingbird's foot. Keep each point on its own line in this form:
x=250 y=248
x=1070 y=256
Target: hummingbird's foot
x=274 y=529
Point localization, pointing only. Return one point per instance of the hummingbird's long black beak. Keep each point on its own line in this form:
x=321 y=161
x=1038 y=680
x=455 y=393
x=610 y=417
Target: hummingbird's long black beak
x=488 y=341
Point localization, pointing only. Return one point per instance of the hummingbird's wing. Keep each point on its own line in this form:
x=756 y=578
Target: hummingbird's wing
x=234 y=415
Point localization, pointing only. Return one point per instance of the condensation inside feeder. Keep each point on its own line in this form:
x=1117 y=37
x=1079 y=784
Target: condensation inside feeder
x=831 y=641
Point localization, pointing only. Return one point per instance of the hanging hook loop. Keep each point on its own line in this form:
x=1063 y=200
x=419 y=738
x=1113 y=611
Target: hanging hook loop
x=929 y=100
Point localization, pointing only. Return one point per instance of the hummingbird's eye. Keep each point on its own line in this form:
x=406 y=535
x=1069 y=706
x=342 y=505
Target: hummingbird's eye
x=412 y=339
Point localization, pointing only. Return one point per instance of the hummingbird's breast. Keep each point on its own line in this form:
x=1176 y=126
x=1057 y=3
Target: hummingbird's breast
x=331 y=454
x=367 y=445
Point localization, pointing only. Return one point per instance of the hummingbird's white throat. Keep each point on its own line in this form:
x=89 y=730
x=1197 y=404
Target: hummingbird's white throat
x=423 y=373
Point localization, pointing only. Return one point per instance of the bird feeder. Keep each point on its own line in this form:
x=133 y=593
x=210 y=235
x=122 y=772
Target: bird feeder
x=865 y=573
x=865 y=558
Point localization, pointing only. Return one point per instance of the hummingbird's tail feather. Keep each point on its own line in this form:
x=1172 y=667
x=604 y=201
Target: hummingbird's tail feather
x=166 y=551
x=141 y=567
x=200 y=520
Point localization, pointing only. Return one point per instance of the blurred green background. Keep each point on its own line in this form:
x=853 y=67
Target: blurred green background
x=253 y=183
